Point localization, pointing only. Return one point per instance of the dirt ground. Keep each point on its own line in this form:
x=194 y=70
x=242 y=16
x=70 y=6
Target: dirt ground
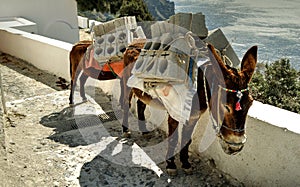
x=47 y=143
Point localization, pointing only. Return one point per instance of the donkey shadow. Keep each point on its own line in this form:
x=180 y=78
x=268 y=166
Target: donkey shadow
x=74 y=128
x=120 y=164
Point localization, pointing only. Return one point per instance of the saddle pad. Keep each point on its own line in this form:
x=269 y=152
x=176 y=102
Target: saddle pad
x=91 y=62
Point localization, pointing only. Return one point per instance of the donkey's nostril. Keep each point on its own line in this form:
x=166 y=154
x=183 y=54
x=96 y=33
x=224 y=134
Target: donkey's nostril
x=227 y=108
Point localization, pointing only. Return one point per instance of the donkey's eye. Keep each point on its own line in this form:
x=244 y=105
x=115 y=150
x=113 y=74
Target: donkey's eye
x=227 y=108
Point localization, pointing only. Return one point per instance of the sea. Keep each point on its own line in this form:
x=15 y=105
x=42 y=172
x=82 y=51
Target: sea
x=272 y=25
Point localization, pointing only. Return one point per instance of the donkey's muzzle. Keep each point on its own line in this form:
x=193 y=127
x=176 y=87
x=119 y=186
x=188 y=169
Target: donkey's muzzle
x=232 y=148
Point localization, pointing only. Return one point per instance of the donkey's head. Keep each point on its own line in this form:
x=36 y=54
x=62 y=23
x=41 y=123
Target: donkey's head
x=234 y=108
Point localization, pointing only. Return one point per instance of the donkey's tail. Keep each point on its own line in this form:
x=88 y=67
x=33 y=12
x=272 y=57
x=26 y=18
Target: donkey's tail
x=77 y=53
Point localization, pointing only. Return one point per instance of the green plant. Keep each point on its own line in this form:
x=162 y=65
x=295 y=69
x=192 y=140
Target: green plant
x=135 y=8
x=277 y=84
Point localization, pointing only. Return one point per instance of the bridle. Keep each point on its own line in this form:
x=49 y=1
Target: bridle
x=216 y=124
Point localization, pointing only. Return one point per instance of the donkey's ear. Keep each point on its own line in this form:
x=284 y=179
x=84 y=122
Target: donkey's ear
x=249 y=63
x=218 y=60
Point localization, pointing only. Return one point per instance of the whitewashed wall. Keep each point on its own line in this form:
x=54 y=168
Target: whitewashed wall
x=54 y=18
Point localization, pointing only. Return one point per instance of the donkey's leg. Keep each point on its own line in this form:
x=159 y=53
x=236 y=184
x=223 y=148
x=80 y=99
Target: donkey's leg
x=184 y=152
x=127 y=95
x=186 y=140
x=71 y=97
x=141 y=117
x=73 y=85
x=172 y=144
x=83 y=78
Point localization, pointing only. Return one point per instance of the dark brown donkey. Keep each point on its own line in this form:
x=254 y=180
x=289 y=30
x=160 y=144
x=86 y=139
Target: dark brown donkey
x=215 y=81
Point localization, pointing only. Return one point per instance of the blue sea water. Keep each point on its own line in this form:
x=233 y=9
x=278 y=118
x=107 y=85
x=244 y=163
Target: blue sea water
x=273 y=25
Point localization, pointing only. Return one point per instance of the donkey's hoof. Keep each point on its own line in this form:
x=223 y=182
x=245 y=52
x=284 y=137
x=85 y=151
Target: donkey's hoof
x=172 y=172
x=188 y=171
x=126 y=134
x=146 y=135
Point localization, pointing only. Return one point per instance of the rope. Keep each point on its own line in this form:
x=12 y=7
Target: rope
x=224 y=57
x=216 y=127
x=2 y=95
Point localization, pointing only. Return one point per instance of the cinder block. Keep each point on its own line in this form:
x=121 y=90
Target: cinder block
x=83 y=22
x=140 y=63
x=182 y=44
x=171 y=68
x=109 y=26
x=198 y=25
x=139 y=33
x=220 y=42
x=166 y=40
x=155 y=30
x=184 y=20
x=99 y=30
x=131 y=22
x=161 y=66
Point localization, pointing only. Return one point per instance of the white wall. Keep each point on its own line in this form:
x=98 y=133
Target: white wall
x=45 y=53
x=54 y=18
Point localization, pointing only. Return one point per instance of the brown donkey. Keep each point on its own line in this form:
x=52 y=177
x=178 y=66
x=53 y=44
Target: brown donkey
x=77 y=66
x=221 y=89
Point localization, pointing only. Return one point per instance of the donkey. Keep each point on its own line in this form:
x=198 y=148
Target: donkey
x=215 y=81
x=77 y=66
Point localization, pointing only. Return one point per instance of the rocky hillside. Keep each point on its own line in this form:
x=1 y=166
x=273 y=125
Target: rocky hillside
x=161 y=9
x=106 y=10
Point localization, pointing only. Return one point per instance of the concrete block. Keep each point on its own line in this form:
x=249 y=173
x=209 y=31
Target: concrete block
x=83 y=22
x=109 y=26
x=155 y=30
x=183 y=44
x=93 y=23
x=139 y=33
x=183 y=20
x=111 y=44
x=161 y=66
x=123 y=23
x=198 y=25
x=220 y=42
x=99 y=30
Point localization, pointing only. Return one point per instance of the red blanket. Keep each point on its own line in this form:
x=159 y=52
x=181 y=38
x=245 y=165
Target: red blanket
x=117 y=66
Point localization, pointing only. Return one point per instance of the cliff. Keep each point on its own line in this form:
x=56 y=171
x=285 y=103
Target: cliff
x=160 y=9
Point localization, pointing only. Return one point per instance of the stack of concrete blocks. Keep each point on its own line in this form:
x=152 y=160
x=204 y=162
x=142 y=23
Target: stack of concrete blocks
x=166 y=57
x=218 y=40
x=176 y=45
x=191 y=22
x=196 y=24
x=111 y=38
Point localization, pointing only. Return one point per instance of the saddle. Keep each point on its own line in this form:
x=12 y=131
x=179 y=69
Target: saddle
x=114 y=64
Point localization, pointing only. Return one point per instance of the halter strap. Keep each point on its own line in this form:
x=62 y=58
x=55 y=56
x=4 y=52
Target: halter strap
x=234 y=91
x=239 y=95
